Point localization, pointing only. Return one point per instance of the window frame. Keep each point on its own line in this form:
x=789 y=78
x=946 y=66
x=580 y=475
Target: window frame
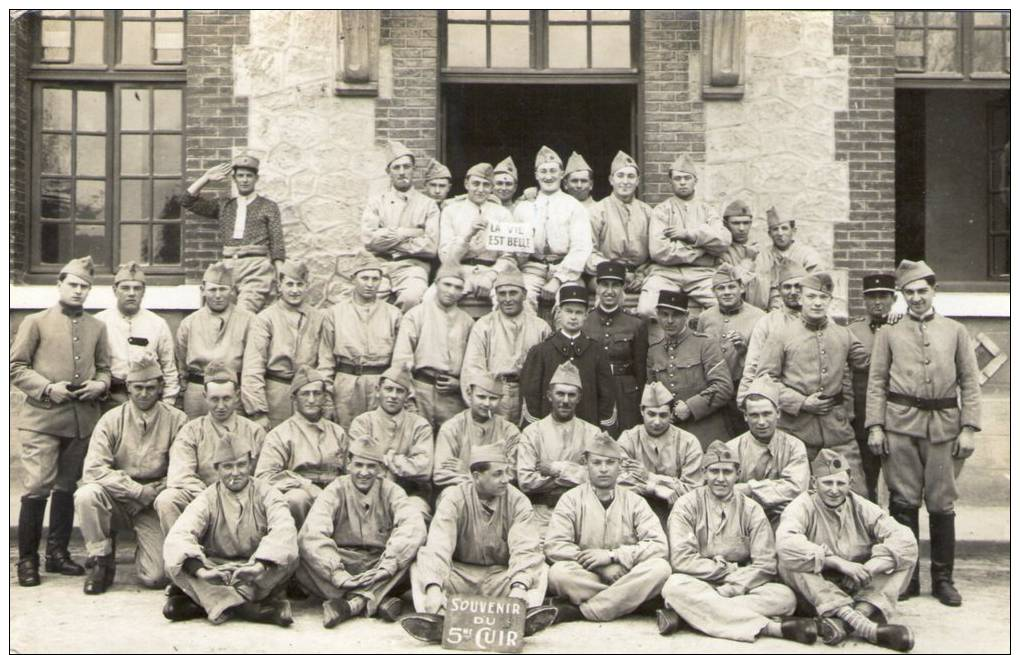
x=110 y=78
x=966 y=77
x=994 y=189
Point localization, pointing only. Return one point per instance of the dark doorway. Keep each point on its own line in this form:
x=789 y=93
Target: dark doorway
x=488 y=122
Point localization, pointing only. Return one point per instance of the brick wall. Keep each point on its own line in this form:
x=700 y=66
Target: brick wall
x=674 y=120
x=19 y=120
x=865 y=138
x=411 y=115
x=216 y=120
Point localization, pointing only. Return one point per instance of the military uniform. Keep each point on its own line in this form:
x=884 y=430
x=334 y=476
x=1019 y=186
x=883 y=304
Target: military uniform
x=744 y=257
x=620 y=232
x=672 y=461
x=624 y=341
x=202 y=337
x=772 y=473
x=771 y=260
x=775 y=322
x=462 y=434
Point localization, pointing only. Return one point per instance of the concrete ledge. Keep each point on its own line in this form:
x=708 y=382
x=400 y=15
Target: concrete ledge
x=41 y=296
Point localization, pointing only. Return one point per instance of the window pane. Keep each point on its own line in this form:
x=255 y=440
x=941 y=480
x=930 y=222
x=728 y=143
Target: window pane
x=134 y=200
x=1000 y=255
x=466 y=14
x=509 y=14
x=910 y=50
x=941 y=18
x=56 y=109
x=56 y=198
x=167 y=159
x=568 y=46
x=465 y=45
x=988 y=18
x=169 y=13
x=556 y=15
x=911 y=18
x=91 y=240
x=55 y=243
x=169 y=42
x=610 y=46
x=166 y=243
x=1000 y=212
x=164 y=206
x=988 y=51
x=88 y=42
x=134 y=154
x=55 y=13
x=136 y=45
x=55 y=154
x=135 y=13
x=88 y=13
x=56 y=40
x=610 y=15
x=90 y=200
x=168 y=115
x=510 y=46
x=942 y=55
x=134 y=109
x=91 y=111
x=134 y=243
x=91 y=156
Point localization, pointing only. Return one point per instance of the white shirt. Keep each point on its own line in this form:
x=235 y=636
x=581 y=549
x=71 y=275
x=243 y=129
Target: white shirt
x=561 y=227
x=241 y=218
x=149 y=326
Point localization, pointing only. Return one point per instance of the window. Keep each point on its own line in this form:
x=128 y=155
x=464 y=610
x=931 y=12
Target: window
x=998 y=190
x=553 y=41
x=953 y=44
x=107 y=138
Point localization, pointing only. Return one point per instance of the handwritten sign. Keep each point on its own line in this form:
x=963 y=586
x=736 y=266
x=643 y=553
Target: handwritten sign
x=482 y=623
x=510 y=237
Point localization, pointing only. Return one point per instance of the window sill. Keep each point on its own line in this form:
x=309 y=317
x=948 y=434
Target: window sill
x=183 y=297
x=961 y=304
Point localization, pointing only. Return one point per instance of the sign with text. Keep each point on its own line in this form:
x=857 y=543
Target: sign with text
x=503 y=236
x=484 y=623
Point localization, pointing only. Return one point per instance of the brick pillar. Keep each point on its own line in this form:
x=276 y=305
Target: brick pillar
x=674 y=118
x=216 y=121
x=20 y=126
x=865 y=138
x=411 y=115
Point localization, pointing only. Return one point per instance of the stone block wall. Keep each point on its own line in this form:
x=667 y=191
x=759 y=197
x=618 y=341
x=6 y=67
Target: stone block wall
x=19 y=119
x=866 y=140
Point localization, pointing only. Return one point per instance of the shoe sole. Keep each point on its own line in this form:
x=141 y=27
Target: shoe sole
x=538 y=619
x=424 y=628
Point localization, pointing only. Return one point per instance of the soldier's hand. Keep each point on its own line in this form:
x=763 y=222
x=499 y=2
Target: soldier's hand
x=92 y=390
x=816 y=404
x=728 y=590
x=213 y=576
x=447 y=384
x=632 y=283
x=58 y=393
x=736 y=339
x=148 y=494
x=340 y=578
x=479 y=224
x=550 y=288
x=517 y=591
x=964 y=446
x=548 y=469
x=856 y=572
x=894 y=317
x=682 y=411
x=530 y=193
x=248 y=574
x=433 y=599
x=878 y=442
x=612 y=572
x=594 y=558
x=219 y=172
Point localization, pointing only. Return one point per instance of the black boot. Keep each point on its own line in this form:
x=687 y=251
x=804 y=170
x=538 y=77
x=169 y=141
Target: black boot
x=908 y=516
x=58 y=559
x=97 y=580
x=30 y=521
x=942 y=527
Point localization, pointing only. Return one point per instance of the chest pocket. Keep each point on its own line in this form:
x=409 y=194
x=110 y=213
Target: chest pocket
x=620 y=347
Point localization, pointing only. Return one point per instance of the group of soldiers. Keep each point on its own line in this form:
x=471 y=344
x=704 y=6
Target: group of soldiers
x=720 y=474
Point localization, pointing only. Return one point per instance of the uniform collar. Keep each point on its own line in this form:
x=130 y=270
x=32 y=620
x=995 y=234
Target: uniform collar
x=875 y=323
x=814 y=327
x=67 y=310
x=607 y=313
x=929 y=315
x=731 y=312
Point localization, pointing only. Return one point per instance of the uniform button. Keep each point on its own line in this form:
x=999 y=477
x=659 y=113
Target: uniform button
x=927 y=361
x=77 y=356
x=76 y=338
x=76 y=375
x=928 y=380
x=823 y=352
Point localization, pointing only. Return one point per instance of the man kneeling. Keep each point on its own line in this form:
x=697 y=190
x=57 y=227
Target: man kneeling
x=359 y=539
x=483 y=540
x=724 y=555
x=234 y=547
x=607 y=547
x=845 y=557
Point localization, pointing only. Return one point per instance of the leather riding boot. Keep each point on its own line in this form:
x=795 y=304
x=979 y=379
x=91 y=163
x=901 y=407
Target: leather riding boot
x=942 y=526
x=96 y=580
x=908 y=516
x=30 y=522
x=58 y=537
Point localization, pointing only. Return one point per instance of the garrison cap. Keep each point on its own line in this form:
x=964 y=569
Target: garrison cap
x=229 y=448
x=395 y=150
x=790 y=270
x=819 y=281
x=367 y=448
x=144 y=367
x=246 y=161
x=623 y=160
x=572 y=293
x=513 y=278
x=879 y=282
x=493 y=453
x=656 y=394
x=483 y=170
x=218 y=371
x=294 y=269
x=763 y=387
x=398 y=375
x=828 y=462
x=566 y=373
x=909 y=271
x=364 y=261
x=437 y=171
x=506 y=166
x=718 y=453
x=576 y=164
x=611 y=270
x=449 y=270
x=604 y=445
x=81 y=267
x=737 y=208
x=306 y=375
x=547 y=155
x=487 y=382
x=219 y=273
x=773 y=219
x=673 y=299
x=130 y=272
x=725 y=273
x=682 y=164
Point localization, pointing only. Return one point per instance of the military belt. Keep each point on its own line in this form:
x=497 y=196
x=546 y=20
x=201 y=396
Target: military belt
x=929 y=404
x=551 y=260
x=278 y=377
x=474 y=261
x=360 y=369
x=512 y=378
x=621 y=368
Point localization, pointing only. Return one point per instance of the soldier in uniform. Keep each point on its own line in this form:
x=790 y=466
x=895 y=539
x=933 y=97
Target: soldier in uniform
x=217 y=331
x=478 y=425
x=774 y=465
x=234 y=547
x=359 y=540
x=437 y=182
x=723 y=556
x=731 y=322
x=125 y=469
x=809 y=359
x=191 y=468
x=463 y=230
x=550 y=451
x=132 y=330
x=60 y=360
x=306 y=452
x=743 y=256
x=623 y=338
x=845 y=558
x=562 y=232
x=783 y=250
x=569 y=344
x=405 y=438
x=401 y=228
x=619 y=225
x=500 y=341
x=482 y=541
x=879 y=296
x=249 y=228
x=282 y=338
x=692 y=367
x=358 y=336
x=578 y=178
x=924 y=406
x=431 y=342
x=685 y=239
x=504 y=183
x=606 y=546
x=663 y=462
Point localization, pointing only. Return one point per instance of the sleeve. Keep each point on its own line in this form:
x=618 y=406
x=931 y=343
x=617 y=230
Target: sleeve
x=407 y=340
x=277 y=247
x=762 y=567
x=759 y=335
x=99 y=466
x=689 y=467
x=253 y=369
x=858 y=356
x=182 y=472
x=168 y=363
x=327 y=361
x=878 y=379
x=720 y=385
x=573 y=263
x=371 y=226
x=561 y=534
x=607 y=410
x=684 y=549
x=598 y=222
x=771 y=364
x=526 y=557
x=474 y=362
x=408 y=533
x=795 y=550
x=792 y=481
x=453 y=245
x=102 y=358
x=416 y=465
x=279 y=544
x=651 y=538
x=182 y=541
x=531 y=386
x=969 y=379
x=529 y=478
x=316 y=547
x=662 y=249
x=640 y=354
x=895 y=544
x=446 y=449
x=712 y=235
x=273 y=461
x=23 y=376
x=435 y=557
x=424 y=244
x=198 y=205
x=181 y=349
